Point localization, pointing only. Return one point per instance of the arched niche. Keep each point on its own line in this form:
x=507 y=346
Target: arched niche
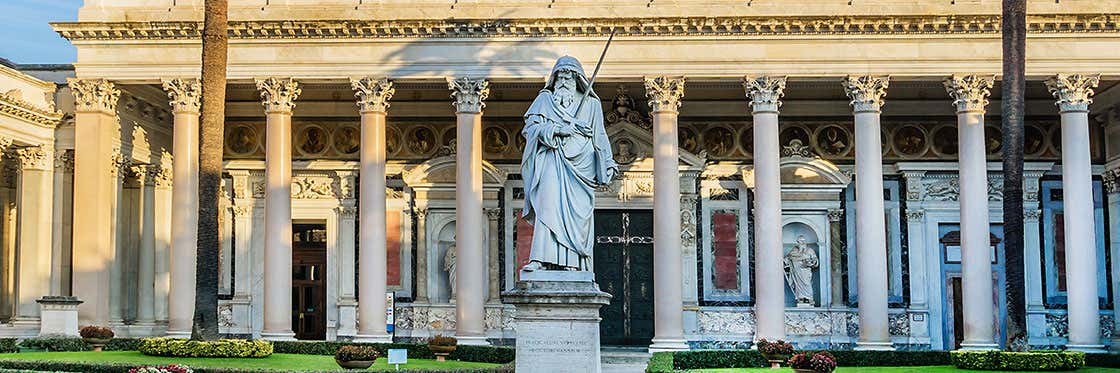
x=791 y=231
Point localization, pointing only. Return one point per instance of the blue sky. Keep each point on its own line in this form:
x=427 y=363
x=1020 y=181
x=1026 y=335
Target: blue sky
x=27 y=36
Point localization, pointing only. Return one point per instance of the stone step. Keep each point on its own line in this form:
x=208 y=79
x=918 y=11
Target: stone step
x=624 y=355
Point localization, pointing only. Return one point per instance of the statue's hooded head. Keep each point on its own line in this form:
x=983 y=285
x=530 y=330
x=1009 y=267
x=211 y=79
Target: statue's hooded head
x=569 y=66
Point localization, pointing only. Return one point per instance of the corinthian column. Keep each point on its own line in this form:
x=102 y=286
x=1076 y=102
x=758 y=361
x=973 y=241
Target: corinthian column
x=470 y=294
x=95 y=130
x=373 y=101
x=36 y=184
x=184 y=95
x=866 y=93
x=970 y=96
x=665 y=94
x=278 y=96
x=770 y=291
x=1074 y=93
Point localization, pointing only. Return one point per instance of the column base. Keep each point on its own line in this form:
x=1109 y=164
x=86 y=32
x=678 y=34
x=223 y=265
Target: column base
x=374 y=338
x=1089 y=349
x=281 y=336
x=981 y=346
x=874 y=346
x=472 y=340
x=668 y=344
x=179 y=334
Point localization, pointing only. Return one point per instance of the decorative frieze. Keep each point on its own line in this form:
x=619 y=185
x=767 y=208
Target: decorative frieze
x=765 y=92
x=470 y=94
x=185 y=95
x=12 y=103
x=94 y=95
x=278 y=94
x=835 y=215
x=866 y=92
x=664 y=93
x=373 y=94
x=969 y=92
x=347 y=212
x=956 y=24
x=1111 y=180
x=1074 y=92
x=312 y=188
x=915 y=216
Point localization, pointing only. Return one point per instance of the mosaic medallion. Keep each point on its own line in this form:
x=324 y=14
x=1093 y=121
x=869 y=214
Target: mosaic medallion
x=794 y=133
x=746 y=140
x=242 y=139
x=833 y=140
x=421 y=140
x=347 y=140
x=312 y=140
x=910 y=141
x=686 y=137
x=718 y=141
x=392 y=140
x=945 y=140
x=993 y=139
x=1034 y=141
x=495 y=140
x=1056 y=138
x=624 y=152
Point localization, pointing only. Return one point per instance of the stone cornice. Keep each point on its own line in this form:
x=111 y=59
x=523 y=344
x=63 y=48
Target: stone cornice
x=12 y=105
x=581 y=27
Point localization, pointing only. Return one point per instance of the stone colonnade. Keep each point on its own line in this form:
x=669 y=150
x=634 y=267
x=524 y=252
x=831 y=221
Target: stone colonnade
x=95 y=120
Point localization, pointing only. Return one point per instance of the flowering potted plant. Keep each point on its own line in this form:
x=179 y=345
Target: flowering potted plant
x=442 y=346
x=775 y=352
x=820 y=362
x=173 y=368
x=96 y=336
x=356 y=357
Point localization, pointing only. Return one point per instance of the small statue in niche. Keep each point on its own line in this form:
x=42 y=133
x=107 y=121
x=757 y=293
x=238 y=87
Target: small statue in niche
x=449 y=266
x=799 y=263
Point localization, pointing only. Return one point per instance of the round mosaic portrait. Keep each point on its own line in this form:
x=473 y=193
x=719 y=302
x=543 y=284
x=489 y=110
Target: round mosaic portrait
x=242 y=140
x=993 y=139
x=1034 y=140
x=421 y=140
x=718 y=141
x=910 y=141
x=833 y=140
x=1056 y=138
x=945 y=140
x=312 y=140
x=392 y=140
x=347 y=140
x=794 y=133
x=495 y=140
x=686 y=137
x=746 y=140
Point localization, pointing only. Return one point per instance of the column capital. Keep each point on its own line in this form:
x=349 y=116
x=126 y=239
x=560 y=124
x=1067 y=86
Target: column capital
x=373 y=94
x=835 y=215
x=164 y=178
x=64 y=160
x=765 y=92
x=5 y=142
x=470 y=94
x=664 y=93
x=278 y=95
x=969 y=92
x=94 y=95
x=36 y=158
x=185 y=95
x=1073 y=91
x=866 y=92
x=140 y=173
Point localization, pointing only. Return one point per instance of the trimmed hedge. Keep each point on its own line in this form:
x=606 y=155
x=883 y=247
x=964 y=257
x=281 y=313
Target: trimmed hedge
x=1018 y=361
x=1102 y=360
x=219 y=348
x=660 y=362
x=8 y=345
x=478 y=354
x=62 y=366
x=55 y=344
x=709 y=359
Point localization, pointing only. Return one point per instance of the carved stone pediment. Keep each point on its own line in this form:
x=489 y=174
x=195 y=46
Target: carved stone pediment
x=633 y=148
x=441 y=170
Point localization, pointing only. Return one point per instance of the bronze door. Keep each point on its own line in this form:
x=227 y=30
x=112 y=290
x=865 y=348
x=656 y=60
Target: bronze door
x=624 y=269
x=309 y=261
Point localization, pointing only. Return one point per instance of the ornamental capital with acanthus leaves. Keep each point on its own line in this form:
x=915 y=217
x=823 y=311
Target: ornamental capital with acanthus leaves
x=969 y=92
x=664 y=93
x=373 y=94
x=278 y=95
x=866 y=92
x=185 y=94
x=1074 y=92
x=765 y=92
x=94 y=95
x=470 y=94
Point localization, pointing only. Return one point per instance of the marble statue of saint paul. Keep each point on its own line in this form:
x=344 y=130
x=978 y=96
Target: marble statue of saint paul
x=567 y=155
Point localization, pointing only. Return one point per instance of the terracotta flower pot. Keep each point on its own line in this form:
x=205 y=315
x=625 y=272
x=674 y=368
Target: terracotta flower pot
x=441 y=352
x=775 y=360
x=97 y=343
x=354 y=364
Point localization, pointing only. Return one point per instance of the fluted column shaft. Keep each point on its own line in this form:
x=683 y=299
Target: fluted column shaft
x=470 y=268
x=146 y=271
x=95 y=128
x=665 y=94
x=185 y=95
x=969 y=95
x=163 y=205
x=866 y=93
x=770 y=304
x=278 y=96
x=373 y=102
x=1074 y=94
x=36 y=184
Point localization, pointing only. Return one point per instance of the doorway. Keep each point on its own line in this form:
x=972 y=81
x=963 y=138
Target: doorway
x=624 y=269
x=309 y=284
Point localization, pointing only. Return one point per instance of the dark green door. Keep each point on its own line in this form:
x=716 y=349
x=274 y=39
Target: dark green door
x=624 y=268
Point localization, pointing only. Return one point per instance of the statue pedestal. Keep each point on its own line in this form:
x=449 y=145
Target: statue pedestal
x=58 y=316
x=557 y=321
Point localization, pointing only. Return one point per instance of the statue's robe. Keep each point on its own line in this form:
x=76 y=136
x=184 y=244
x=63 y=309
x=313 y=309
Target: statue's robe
x=799 y=264
x=561 y=174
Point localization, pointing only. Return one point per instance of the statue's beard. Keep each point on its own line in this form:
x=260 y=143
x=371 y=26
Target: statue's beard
x=564 y=95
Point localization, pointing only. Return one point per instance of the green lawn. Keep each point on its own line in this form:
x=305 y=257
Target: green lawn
x=934 y=369
x=279 y=362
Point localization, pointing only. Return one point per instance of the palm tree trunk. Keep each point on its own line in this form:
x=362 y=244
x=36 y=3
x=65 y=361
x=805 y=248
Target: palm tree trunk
x=214 y=58
x=1014 y=106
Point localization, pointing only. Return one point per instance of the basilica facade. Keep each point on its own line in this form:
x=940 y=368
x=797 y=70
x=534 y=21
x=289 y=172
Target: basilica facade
x=827 y=172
